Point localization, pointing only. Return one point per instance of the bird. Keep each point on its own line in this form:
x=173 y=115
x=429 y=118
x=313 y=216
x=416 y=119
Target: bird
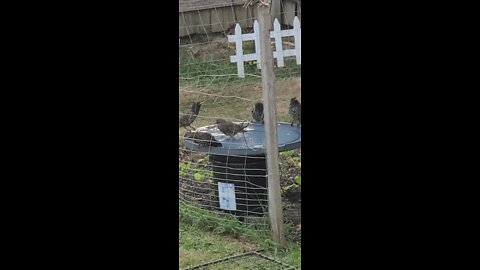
x=187 y=119
x=294 y=110
x=257 y=112
x=203 y=139
x=231 y=29
x=229 y=128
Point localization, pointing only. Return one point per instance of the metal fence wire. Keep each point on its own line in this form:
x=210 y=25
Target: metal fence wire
x=210 y=89
x=251 y=260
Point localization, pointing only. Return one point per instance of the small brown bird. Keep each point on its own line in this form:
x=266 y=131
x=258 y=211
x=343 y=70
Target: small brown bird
x=257 y=112
x=187 y=119
x=295 y=111
x=231 y=29
x=229 y=128
x=203 y=139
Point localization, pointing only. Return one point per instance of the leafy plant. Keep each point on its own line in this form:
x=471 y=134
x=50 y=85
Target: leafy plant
x=185 y=169
x=198 y=176
x=198 y=170
x=298 y=180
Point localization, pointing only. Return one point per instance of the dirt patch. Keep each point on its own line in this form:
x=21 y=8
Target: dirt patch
x=202 y=51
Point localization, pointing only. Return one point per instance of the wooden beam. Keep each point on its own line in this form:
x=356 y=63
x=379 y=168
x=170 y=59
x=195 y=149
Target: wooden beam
x=268 y=82
x=193 y=5
x=275 y=11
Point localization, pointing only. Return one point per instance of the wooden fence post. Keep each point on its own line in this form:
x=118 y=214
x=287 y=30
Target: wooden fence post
x=268 y=81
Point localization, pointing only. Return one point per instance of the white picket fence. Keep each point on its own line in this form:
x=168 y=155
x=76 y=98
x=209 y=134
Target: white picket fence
x=279 y=53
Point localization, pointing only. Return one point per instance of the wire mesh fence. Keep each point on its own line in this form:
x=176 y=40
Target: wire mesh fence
x=250 y=260
x=221 y=174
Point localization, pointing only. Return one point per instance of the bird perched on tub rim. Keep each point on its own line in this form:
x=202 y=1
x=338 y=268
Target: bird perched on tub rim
x=295 y=111
x=188 y=117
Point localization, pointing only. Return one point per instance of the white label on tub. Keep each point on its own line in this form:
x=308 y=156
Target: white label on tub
x=226 y=196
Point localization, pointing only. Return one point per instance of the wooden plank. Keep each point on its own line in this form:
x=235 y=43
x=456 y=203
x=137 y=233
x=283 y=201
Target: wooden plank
x=299 y=9
x=189 y=23
x=254 y=14
x=245 y=37
x=298 y=40
x=268 y=82
x=182 y=31
x=239 y=51
x=219 y=19
x=192 y=22
x=242 y=16
x=228 y=17
x=216 y=20
x=245 y=57
x=204 y=20
x=275 y=11
x=250 y=19
x=277 y=35
x=222 y=19
x=288 y=10
x=256 y=34
x=192 y=5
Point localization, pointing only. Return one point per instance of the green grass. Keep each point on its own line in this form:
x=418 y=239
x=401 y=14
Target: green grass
x=218 y=72
x=197 y=246
x=205 y=236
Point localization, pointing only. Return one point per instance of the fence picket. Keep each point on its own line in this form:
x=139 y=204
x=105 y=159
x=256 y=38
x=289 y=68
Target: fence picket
x=298 y=40
x=278 y=43
x=279 y=53
x=239 y=51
